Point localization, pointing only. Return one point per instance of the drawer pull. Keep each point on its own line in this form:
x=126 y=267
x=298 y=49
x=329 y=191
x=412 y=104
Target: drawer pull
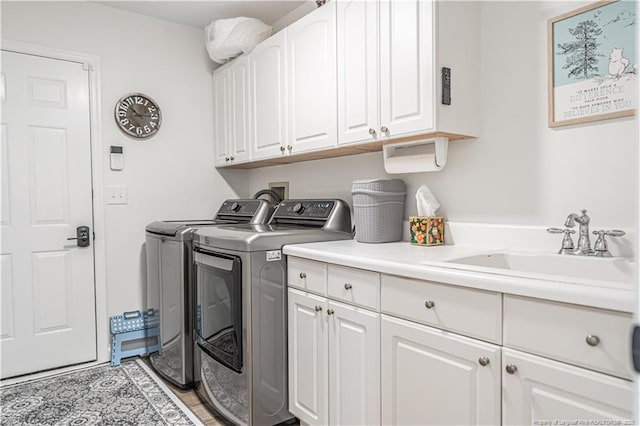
x=318 y=308
x=429 y=304
x=592 y=340
x=511 y=368
x=303 y=275
x=329 y=311
x=347 y=286
x=483 y=361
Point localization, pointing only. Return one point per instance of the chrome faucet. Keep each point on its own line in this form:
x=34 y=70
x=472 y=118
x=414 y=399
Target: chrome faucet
x=584 y=243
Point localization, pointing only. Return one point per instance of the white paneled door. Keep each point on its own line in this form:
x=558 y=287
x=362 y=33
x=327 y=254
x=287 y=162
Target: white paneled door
x=48 y=295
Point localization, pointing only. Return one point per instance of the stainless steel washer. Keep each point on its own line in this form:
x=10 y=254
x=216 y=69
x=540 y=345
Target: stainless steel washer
x=170 y=289
x=240 y=360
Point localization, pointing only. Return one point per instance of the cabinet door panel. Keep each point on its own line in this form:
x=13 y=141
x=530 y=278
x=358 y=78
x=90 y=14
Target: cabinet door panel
x=357 y=32
x=543 y=390
x=432 y=377
x=239 y=118
x=406 y=66
x=354 y=366
x=311 y=50
x=220 y=116
x=268 y=97
x=308 y=364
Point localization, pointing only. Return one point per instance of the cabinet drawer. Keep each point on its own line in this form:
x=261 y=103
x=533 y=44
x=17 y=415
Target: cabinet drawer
x=308 y=275
x=560 y=330
x=355 y=286
x=474 y=313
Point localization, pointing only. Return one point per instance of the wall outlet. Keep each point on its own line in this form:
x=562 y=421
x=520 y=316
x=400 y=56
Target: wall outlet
x=117 y=194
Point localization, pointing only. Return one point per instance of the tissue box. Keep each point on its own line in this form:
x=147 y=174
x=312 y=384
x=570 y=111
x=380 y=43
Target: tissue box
x=426 y=231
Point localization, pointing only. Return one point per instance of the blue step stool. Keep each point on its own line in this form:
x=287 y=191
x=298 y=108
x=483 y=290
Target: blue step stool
x=134 y=325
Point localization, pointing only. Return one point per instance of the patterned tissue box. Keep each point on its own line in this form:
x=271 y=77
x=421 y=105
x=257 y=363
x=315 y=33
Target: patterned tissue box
x=426 y=231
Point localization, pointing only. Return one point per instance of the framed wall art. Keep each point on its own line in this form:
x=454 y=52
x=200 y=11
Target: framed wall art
x=593 y=68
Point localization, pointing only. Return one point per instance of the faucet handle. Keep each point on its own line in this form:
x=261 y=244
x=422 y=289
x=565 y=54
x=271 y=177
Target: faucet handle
x=601 y=249
x=567 y=242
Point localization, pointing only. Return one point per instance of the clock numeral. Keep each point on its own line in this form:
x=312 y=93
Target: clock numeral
x=124 y=121
x=132 y=127
x=129 y=101
x=146 y=102
x=147 y=129
x=152 y=124
x=154 y=117
x=123 y=107
x=122 y=113
x=139 y=130
x=152 y=109
x=138 y=100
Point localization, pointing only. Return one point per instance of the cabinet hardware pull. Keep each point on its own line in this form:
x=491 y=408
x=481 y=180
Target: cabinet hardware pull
x=429 y=304
x=329 y=311
x=318 y=308
x=592 y=340
x=282 y=148
x=511 y=368
x=372 y=132
x=384 y=130
x=231 y=158
x=484 y=361
x=289 y=147
x=303 y=275
x=226 y=158
x=347 y=286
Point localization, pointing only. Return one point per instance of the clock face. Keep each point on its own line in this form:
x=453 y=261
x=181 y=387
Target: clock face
x=138 y=115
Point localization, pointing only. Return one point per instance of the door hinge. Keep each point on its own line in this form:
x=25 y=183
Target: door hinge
x=635 y=348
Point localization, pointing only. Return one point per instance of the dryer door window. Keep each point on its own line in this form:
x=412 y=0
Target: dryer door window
x=219 y=307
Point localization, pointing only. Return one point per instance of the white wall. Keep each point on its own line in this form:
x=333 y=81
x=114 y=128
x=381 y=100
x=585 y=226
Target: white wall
x=170 y=176
x=518 y=171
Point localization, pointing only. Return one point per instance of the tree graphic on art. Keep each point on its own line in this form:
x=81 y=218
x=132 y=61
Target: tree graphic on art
x=582 y=59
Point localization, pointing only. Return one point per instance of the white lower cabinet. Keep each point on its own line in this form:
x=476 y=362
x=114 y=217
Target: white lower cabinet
x=433 y=377
x=537 y=390
x=334 y=362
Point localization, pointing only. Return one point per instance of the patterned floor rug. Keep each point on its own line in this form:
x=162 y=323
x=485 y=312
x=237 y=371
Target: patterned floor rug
x=126 y=395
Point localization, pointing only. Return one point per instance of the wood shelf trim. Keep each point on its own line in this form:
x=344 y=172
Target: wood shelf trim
x=341 y=151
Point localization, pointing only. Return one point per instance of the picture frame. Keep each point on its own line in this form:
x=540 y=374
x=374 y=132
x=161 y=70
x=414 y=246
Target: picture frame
x=592 y=63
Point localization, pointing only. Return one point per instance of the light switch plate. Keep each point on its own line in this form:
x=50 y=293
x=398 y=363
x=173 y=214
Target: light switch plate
x=117 y=194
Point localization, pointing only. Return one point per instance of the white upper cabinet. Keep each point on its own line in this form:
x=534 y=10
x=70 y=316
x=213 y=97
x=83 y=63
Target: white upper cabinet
x=406 y=67
x=231 y=117
x=239 y=118
x=358 y=80
x=311 y=53
x=220 y=116
x=268 y=75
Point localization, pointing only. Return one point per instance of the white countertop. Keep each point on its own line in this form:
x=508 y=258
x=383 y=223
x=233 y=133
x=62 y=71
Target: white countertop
x=428 y=263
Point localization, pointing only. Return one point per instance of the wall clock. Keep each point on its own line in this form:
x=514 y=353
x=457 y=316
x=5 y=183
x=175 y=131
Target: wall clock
x=138 y=115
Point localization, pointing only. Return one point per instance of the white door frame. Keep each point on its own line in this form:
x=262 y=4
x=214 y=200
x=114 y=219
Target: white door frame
x=92 y=63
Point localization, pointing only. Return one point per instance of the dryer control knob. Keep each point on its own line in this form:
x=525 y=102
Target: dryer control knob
x=298 y=208
x=235 y=207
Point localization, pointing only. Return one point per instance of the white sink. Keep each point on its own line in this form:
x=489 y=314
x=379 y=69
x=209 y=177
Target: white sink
x=614 y=270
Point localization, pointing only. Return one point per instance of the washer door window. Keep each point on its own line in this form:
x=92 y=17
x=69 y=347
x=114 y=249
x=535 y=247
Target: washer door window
x=219 y=307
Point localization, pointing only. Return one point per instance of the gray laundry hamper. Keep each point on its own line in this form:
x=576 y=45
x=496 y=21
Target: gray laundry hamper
x=378 y=209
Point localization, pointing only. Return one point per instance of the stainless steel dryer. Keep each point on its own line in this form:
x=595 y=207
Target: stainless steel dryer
x=240 y=360
x=170 y=282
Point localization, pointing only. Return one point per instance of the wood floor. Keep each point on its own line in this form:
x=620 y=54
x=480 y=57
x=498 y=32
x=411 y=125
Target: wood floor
x=191 y=400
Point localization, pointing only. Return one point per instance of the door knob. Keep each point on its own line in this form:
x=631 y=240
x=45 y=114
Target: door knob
x=82 y=236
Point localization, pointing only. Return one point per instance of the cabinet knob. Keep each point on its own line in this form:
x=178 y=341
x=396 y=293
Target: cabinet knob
x=303 y=275
x=231 y=158
x=484 y=361
x=511 y=368
x=429 y=304
x=282 y=148
x=226 y=158
x=372 y=131
x=347 y=286
x=592 y=340
x=329 y=311
x=289 y=147
x=384 y=130
x=318 y=308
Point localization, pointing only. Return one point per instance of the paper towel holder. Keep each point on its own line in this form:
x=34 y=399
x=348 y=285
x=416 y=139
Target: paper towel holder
x=428 y=155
